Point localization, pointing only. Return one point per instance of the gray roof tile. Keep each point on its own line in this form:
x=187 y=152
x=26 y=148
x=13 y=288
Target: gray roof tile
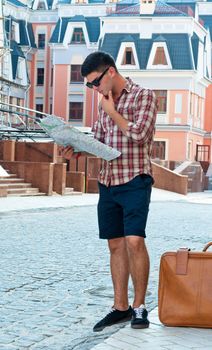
x=161 y=9
x=177 y=44
x=207 y=22
x=92 y=24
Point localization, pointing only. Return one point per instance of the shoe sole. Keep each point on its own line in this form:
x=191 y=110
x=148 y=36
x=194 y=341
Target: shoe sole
x=140 y=326
x=112 y=324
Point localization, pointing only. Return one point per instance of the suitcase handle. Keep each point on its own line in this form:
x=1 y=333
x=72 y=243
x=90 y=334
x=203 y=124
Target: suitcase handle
x=207 y=246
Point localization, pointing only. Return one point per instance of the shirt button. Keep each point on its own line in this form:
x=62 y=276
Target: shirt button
x=111 y=131
x=110 y=163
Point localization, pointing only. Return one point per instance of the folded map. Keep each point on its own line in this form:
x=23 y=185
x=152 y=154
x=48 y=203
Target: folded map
x=67 y=135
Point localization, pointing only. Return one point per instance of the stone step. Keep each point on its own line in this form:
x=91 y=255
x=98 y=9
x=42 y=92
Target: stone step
x=16 y=185
x=23 y=190
x=70 y=191
x=4 y=180
x=26 y=194
x=10 y=174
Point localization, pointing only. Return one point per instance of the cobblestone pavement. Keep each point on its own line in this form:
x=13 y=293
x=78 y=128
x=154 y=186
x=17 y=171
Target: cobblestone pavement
x=54 y=278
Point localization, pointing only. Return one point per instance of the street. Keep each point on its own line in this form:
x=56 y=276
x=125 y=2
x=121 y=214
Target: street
x=55 y=281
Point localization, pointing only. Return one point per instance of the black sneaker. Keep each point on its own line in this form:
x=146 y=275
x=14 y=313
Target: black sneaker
x=113 y=317
x=139 y=318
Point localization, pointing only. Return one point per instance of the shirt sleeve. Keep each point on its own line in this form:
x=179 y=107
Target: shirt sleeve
x=142 y=129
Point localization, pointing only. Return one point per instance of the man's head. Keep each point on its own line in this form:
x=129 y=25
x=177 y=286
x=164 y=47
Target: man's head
x=99 y=68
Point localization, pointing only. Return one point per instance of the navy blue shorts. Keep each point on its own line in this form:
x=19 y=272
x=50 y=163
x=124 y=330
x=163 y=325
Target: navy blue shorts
x=123 y=209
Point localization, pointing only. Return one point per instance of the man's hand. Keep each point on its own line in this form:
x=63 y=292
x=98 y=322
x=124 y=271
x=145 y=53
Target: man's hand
x=68 y=152
x=107 y=104
x=109 y=107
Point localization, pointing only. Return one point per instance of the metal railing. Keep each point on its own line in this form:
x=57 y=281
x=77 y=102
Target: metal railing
x=17 y=122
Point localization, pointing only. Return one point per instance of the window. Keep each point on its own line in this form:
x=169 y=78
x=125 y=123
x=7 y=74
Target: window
x=128 y=56
x=13 y=31
x=19 y=70
x=178 y=103
x=39 y=108
x=41 y=41
x=78 y=36
x=159 y=150
x=52 y=77
x=160 y=57
x=40 y=76
x=18 y=104
x=162 y=100
x=75 y=110
x=76 y=73
x=41 y=6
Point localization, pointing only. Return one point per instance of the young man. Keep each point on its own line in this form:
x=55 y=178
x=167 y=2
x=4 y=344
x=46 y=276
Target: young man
x=126 y=121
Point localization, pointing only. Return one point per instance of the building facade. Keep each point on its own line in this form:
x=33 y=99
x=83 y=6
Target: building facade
x=162 y=45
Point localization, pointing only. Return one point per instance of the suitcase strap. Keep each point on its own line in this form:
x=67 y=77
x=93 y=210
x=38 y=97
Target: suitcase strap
x=207 y=246
x=182 y=261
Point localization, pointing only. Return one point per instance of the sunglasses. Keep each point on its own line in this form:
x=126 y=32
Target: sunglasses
x=96 y=82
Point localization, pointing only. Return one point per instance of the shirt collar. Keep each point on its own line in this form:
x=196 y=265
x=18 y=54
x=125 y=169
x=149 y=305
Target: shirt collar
x=128 y=85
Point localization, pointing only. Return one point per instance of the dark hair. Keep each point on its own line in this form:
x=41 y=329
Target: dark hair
x=97 y=61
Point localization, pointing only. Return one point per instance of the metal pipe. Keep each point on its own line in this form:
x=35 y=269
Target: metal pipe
x=25 y=108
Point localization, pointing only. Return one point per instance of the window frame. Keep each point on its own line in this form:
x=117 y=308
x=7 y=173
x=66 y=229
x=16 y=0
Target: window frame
x=75 y=75
x=132 y=59
x=78 y=31
x=160 y=57
x=41 y=46
x=161 y=99
x=76 y=111
x=40 y=77
x=39 y=109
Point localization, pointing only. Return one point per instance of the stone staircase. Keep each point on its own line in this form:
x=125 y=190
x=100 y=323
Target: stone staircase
x=11 y=185
x=195 y=175
x=69 y=191
x=209 y=175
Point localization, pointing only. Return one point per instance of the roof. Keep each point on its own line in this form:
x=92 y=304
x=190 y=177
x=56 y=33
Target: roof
x=16 y=52
x=207 y=22
x=49 y=3
x=177 y=44
x=89 y=1
x=64 y=2
x=96 y=1
x=26 y=32
x=161 y=9
x=92 y=25
x=16 y=3
x=195 y=47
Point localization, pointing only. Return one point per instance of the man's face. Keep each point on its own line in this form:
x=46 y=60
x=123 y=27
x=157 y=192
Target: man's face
x=100 y=81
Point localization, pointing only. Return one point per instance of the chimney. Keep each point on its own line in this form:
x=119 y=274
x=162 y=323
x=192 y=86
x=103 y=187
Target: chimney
x=147 y=7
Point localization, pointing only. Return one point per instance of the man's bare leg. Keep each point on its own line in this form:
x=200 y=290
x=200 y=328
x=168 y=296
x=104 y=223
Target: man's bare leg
x=120 y=272
x=139 y=267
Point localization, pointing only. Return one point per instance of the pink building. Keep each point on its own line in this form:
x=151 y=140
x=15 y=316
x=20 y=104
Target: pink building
x=165 y=46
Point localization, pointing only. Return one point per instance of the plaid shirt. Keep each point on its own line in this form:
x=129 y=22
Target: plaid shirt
x=139 y=106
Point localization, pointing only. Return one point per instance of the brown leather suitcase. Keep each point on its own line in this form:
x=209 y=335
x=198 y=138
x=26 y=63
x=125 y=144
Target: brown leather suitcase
x=185 y=288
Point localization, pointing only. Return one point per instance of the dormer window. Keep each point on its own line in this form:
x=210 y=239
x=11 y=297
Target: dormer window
x=78 y=36
x=128 y=56
x=160 y=57
x=41 y=6
x=12 y=31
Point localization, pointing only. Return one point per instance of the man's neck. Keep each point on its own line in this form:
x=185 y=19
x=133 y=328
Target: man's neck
x=120 y=83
